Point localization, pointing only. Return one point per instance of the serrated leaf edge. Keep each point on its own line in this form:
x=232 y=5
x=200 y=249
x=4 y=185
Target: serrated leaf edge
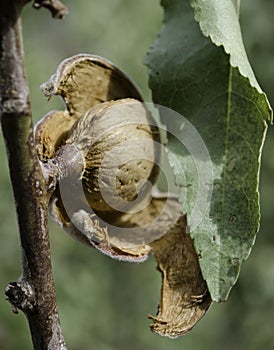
x=247 y=73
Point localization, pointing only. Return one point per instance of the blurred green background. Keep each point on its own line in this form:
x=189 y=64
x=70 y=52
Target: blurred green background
x=103 y=303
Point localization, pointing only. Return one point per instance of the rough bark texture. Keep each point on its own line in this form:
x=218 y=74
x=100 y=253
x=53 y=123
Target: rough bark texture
x=34 y=291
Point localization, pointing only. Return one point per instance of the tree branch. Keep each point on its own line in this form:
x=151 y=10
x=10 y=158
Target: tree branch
x=34 y=291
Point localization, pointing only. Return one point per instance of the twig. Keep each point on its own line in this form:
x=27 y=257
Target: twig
x=34 y=291
x=56 y=7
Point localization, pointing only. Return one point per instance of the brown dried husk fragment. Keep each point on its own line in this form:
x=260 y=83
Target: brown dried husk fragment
x=184 y=294
x=86 y=80
x=91 y=231
x=51 y=132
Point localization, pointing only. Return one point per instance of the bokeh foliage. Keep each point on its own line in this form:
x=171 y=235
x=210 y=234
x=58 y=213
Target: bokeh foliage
x=103 y=303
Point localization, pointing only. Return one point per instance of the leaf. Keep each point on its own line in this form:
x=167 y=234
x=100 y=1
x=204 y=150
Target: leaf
x=218 y=19
x=215 y=89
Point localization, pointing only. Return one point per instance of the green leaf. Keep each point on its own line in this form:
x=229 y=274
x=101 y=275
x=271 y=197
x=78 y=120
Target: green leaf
x=216 y=90
x=218 y=20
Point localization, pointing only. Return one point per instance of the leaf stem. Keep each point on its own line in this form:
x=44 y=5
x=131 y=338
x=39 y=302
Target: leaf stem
x=34 y=291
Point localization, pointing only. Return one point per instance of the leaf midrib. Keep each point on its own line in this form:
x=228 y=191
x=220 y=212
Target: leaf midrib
x=226 y=150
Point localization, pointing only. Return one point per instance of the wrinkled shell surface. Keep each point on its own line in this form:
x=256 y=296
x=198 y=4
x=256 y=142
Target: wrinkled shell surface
x=121 y=149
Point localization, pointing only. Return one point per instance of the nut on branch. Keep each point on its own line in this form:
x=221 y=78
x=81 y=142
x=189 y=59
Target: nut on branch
x=100 y=158
x=104 y=113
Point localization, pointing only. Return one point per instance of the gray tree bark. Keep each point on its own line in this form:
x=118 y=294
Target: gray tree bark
x=33 y=292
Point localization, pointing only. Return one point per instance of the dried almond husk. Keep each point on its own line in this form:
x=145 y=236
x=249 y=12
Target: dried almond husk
x=89 y=86
x=85 y=82
x=162 y=226
x=184 y=294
